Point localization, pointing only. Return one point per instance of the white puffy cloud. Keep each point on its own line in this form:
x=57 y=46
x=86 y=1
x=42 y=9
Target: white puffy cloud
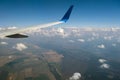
x=4 y=43
x=105 y=66
x=102 y=60
x=60 y=30
x=75 y=76
x=81 y=40
x=20 y=46
x=102 y=46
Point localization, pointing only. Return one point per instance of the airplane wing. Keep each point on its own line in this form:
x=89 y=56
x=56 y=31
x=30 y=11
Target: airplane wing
x=17 y=33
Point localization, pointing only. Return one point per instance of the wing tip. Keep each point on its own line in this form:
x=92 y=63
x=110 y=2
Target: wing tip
x=67 y=14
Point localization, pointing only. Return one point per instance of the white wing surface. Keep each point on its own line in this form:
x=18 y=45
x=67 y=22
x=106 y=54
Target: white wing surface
x=16 y=33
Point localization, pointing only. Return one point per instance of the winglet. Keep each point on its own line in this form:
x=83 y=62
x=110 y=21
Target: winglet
x=67 y=14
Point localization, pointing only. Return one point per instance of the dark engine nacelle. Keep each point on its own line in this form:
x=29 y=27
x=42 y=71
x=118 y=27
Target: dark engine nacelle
x=17 y=36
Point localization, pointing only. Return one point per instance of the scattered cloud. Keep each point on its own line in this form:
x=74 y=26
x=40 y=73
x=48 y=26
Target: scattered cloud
x=114 y=45
x=102 y=60
x=91 y=39
x=105 y=66
x=4 y=43
x=20 y=46
x=102 y=46
x=75 y=76
x=81 y=40
x=107 y=37
x=10 y=57
x=71 y=41
x=95 y=34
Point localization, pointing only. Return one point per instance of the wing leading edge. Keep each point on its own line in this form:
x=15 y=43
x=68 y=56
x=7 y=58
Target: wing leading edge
x=16 y=33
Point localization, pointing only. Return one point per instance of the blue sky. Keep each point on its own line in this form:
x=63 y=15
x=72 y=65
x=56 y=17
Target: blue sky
x=86 y=13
